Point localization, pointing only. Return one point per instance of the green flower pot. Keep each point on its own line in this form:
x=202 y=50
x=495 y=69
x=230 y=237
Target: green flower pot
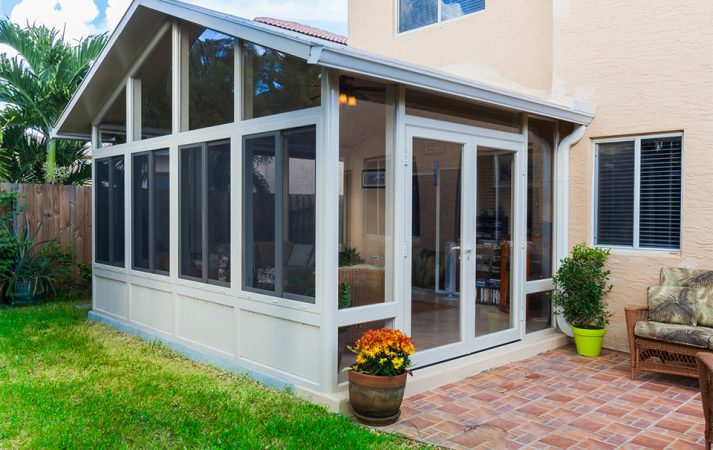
x=589 y=342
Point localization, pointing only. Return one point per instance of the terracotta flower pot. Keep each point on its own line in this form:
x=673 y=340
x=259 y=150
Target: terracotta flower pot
x=376 y=400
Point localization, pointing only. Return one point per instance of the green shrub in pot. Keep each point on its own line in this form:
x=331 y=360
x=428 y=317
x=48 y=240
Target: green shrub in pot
x=581 y=283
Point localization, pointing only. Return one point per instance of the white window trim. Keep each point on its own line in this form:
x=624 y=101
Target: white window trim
x=439 y=20
x=637 y=191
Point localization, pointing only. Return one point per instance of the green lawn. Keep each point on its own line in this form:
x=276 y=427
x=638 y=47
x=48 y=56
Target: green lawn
x=66 y=382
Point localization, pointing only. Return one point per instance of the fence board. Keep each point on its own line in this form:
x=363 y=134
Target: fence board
x=62 y=213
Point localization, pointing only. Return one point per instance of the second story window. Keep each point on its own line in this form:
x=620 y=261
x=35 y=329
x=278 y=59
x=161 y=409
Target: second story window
x=419 y=13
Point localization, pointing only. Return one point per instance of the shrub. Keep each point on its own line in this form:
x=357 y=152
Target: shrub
x=581 y=283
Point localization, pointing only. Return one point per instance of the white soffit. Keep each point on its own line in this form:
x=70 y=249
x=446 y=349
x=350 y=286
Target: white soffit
x=144 y=17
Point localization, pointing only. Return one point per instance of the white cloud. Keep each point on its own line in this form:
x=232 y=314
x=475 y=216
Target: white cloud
x=115 y=10
x=75 y=17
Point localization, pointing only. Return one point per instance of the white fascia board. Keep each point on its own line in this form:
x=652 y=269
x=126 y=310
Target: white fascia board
x=371 y=65
x=283 y=40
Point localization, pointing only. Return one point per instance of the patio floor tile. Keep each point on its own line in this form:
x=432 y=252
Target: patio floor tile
x=558 y=400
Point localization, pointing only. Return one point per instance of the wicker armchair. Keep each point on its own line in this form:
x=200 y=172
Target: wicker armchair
x=648 y=355
x=705 y=370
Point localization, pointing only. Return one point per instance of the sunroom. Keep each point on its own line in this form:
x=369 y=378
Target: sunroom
x=263 y=196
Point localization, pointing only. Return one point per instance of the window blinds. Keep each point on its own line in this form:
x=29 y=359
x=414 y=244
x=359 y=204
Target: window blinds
x=658 y=163
x=615 y=197
x=660 y=201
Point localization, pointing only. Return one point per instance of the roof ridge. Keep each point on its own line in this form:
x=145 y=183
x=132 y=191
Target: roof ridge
x=303 y=29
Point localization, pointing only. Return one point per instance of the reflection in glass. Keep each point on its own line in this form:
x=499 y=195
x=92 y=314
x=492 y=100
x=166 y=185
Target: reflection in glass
x=365 y=185
x=155 y=76
x=540 y=199
x=101 y=200
x=219 y=212
x=210 y=73
x=539 y=311
x=435 y=269
x=191 y=212
x=417 y=13
x=279 y=213
x=260 y=167
x=451 y=9
x=299 y=241
x=347 y=338
x=276 y=82
x=112 y=129
x=494 y=241
x=161 y=208
x=140 y=211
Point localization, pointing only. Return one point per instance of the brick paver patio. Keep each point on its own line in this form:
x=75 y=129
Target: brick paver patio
x=559 y=400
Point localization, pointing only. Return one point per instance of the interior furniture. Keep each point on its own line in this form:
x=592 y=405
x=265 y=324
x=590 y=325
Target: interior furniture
x=705 y=374
x=666 y=335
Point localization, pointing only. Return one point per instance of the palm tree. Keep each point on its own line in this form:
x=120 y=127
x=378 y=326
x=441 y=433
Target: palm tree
x=36 y=85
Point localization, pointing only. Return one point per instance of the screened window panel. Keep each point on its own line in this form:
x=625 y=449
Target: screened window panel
x=660 y=201
x=140 y=211
x=260 y=190
x=417 y=13
x=540 y=156
x=452 y=9
x=191 y=212
x=299 y=240
x=101 y=193
x=117 y=211
x=615 y=196
x=155 y=76
x=211 y=73
x=219 y=212
x=161 y=211
x=275 y=82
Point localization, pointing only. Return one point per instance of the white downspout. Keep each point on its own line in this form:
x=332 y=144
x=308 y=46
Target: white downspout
x=561 y=211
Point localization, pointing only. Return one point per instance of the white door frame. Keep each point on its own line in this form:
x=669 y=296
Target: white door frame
x=471 y=138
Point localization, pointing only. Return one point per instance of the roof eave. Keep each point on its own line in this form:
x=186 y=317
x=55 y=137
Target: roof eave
x=357 y=62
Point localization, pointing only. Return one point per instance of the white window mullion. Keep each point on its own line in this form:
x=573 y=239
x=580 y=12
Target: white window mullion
x=637 y=190
x=440 y=8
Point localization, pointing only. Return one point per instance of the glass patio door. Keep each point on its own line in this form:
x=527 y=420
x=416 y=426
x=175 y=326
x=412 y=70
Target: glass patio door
x=458 y=284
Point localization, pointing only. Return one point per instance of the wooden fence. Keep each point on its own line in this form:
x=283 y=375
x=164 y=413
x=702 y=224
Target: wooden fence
x=62 y=213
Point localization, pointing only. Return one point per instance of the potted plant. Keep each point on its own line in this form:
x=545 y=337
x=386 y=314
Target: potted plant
x=581 y=283
x=378 y=378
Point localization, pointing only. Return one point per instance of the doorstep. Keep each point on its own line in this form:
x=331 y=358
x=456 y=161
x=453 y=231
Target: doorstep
x=450 y=371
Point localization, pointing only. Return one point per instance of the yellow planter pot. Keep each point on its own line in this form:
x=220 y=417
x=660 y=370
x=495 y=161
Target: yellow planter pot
x=589 y=342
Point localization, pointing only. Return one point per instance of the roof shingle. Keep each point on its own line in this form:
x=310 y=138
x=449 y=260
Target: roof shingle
x=304 y=29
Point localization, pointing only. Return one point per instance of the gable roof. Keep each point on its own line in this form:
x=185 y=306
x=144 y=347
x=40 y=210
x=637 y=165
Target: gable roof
x=303 y=29
x=144 y=18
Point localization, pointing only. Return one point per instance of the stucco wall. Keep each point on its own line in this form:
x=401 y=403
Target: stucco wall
x=648 y=67
x=492 y=46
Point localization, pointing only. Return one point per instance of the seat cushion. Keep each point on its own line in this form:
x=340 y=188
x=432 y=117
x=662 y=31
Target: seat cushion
x=676 y=276
x=699 y=337
x=672 y=304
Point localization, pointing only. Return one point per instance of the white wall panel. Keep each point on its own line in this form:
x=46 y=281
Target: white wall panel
x=207 y=324
x=152 y=308
x=110 y=297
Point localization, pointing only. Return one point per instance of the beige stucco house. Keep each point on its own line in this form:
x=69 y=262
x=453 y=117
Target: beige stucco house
x=646 y=66
x=264 y=192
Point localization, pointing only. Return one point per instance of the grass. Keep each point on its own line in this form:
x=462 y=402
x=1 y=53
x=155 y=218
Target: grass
x=66 y=382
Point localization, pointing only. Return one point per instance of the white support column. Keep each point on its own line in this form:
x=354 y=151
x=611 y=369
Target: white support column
x=327 y=228
x=401 y=211
x=133 y=110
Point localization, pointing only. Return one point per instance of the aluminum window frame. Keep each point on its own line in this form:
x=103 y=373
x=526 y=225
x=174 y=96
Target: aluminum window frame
x=112 y=261
x=205 y=218
x=280 y=205
x=637 y=192
x=439 y=17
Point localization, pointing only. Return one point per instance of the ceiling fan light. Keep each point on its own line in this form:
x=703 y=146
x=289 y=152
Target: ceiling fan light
x=352 y=101
x=343 y=98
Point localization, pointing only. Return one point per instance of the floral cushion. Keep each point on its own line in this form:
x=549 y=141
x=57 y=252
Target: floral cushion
x=672 y=304
x=675 y=276
x=674 y=334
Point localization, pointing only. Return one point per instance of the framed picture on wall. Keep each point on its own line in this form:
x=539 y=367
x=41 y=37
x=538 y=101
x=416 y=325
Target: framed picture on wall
x=373 y=179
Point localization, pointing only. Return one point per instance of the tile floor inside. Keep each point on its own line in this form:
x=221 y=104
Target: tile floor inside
x=558 y=400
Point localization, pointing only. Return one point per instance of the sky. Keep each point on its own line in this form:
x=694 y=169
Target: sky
x=83 y=17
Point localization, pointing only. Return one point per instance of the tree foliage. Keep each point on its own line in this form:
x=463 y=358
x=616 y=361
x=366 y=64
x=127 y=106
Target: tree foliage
x=36 y=85
x=581 y=283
